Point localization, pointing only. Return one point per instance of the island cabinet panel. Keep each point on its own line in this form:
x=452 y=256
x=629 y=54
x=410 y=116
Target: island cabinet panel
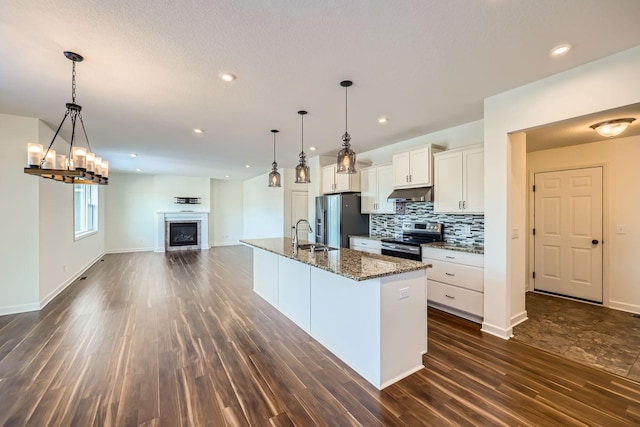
x=294 y=294
x=265 y=279
x=370 y=325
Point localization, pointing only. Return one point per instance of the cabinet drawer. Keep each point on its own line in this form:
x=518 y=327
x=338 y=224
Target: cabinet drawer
x=373 y=244
x=467 y=258
x=461 y=275
x=455 y=297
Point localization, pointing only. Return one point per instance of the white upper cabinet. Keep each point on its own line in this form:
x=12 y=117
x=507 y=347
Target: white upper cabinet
x=459 y=181
x=333 y=182
x=377 y=184
x=414 y=168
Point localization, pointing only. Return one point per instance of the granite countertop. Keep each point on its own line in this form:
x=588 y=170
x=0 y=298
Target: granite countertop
x=371 y=236
x=460 y=247
x=355 y=265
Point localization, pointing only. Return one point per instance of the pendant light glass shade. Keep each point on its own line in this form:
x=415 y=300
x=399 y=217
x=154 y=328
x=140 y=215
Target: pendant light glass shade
x=346 y=156
x=302 y=170
x=274 y=175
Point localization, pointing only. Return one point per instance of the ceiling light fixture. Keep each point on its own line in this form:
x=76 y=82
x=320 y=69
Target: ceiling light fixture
x=611 y=128
x=302 y=170
x=346 y=156
x=198 y=131
x=247 y=166
x=383 y=120
x=312 y=148
x=274 y=175
x=560 y=50
x=133 y=155
x=227 y=77
x=81 y=166
x=138 y=170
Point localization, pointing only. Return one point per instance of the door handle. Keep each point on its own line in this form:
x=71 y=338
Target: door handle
x=594 y=242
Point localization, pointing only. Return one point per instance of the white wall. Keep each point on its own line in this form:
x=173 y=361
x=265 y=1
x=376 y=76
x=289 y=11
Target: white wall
x=39 y=257
x=226 y=218
x=262 y=208
x=600 y=85
x=131 y=213
x=19 y=217
x=455 y=137
x=168 y=187
x=621 y=251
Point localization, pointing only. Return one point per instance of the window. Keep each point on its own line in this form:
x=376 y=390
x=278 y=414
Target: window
x=85 y=209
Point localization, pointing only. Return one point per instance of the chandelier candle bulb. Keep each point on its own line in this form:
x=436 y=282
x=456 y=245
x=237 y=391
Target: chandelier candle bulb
x=91 y=159
x=97 y=166
x=34 y=155
x=61 y=161
x=80 y=158
x=50 y=160
x=105 y=169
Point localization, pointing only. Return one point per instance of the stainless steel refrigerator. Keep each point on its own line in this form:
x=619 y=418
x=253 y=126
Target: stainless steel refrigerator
x=337 y=217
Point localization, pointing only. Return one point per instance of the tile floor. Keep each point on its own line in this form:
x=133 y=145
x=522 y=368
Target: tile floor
x=594 y=335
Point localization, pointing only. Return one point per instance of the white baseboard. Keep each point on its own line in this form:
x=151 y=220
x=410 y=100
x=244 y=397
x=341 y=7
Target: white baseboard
x=399 y=377
x=46 y=300
x=623 y=306
x=497 y=331
x=125 y=251
x=518 y=318
x=19 y=308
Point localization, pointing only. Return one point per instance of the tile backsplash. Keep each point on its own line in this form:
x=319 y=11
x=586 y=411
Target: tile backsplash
x=454 y=225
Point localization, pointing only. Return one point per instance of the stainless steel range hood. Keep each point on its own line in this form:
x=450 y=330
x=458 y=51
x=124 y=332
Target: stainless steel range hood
x=422 y=194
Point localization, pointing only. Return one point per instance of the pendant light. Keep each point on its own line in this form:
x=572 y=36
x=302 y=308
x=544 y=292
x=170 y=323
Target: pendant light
x=346 y=156
x=274 y=175
x=302 y=170
x=81 y=166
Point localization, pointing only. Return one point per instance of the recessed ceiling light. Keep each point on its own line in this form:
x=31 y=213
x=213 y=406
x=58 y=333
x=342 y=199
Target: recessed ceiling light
x=227 y=77
x=247 y=166
x=560 y=50
x=226 y=176
x=312 y=148
x=133 y=155
x=138 y=170
x=383 y=120
x=198 y=131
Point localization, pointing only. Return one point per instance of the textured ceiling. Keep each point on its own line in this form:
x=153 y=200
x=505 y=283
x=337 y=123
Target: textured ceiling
x=151 y=67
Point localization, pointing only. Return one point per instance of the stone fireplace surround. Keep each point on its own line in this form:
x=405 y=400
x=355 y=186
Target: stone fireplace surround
x=163 y=218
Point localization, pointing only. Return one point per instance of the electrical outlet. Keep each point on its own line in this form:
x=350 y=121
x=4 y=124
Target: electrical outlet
x=404 y=293
x=620 y=229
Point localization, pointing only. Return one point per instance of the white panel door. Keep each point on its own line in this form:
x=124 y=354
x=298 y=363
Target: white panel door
x=568 y=233
x=369 y=191
x=385 y=188
x=448 y=183
x=473 y=180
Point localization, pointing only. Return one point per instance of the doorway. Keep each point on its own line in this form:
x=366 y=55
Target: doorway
x=568 y=230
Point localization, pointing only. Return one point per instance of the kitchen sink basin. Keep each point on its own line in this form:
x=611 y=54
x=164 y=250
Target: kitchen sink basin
x=307 y=247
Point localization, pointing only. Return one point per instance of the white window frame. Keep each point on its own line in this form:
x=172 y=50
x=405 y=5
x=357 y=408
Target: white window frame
x=85 y=216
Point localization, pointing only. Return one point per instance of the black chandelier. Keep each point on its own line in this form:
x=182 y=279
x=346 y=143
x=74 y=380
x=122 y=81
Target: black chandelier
x=81 y=165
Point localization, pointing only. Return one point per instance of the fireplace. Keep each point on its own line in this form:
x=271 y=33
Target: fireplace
x=178 y=231
x=183 y=233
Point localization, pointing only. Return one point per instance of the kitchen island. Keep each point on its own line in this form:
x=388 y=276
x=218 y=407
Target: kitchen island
x=369 y=310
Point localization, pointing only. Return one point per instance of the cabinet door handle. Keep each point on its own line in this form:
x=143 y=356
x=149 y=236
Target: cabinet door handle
x=450 y=274
x=464 y=204
x=449 y=296
x=450 y=257
x=459 y=204
x=410 y=177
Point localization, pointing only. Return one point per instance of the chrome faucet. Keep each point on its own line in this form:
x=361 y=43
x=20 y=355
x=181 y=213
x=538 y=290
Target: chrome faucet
x=295 y=236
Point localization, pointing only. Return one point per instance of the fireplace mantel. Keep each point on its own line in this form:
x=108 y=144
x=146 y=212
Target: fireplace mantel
x=164 y=217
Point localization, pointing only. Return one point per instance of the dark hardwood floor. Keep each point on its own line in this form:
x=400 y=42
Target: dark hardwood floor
x=180 y=339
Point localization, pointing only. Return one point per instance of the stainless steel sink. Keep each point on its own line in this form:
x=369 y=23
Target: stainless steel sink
x=318 y=247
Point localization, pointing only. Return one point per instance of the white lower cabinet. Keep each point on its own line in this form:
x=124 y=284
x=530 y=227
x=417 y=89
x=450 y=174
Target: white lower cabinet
x=456 y=282
x=365 y=245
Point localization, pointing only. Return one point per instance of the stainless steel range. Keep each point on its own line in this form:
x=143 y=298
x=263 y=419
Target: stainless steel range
x=407 y=244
